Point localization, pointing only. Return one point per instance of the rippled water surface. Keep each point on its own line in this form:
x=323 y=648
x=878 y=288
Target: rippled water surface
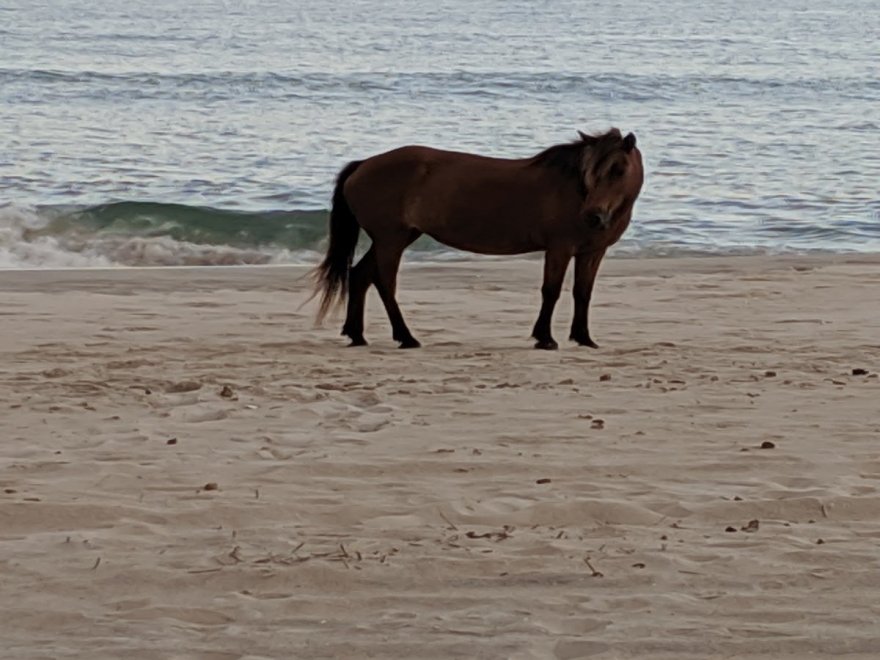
x=759 y=122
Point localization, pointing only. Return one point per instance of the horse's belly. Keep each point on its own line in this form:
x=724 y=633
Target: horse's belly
x=483 y=235
x=469 y=223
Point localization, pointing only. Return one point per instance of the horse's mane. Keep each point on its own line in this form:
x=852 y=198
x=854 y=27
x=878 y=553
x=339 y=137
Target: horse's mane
x=567 y=158
x=570 y=159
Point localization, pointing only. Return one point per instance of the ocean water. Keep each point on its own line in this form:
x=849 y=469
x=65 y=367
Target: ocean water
x=165 y=133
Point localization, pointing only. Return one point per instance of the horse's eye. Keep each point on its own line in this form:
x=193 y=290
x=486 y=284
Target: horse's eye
x=615 y=172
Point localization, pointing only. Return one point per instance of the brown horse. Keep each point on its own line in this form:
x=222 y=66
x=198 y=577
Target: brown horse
x=571 y=200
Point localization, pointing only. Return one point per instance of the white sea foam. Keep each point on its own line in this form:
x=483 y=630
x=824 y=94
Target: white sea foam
x=26 y=241
x=22 y=245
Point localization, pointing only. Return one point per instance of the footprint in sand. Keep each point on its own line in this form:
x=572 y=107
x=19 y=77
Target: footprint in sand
x=358 y=411
x=204 y=414
x=189 y=408
x=559 y=625
x=198 y=616
x=272 y=454
x=570 y=650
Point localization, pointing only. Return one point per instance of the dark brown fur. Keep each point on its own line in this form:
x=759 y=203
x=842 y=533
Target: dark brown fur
x=570 y=201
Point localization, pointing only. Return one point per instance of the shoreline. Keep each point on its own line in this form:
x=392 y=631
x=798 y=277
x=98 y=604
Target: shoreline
x=616 y=265
x=413 y=259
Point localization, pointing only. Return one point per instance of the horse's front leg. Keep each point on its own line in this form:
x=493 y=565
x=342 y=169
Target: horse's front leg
x=555 y=264
x=585 y=268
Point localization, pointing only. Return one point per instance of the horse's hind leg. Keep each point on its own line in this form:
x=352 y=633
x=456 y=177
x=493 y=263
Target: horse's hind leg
x=388 y=254
x=359 y=280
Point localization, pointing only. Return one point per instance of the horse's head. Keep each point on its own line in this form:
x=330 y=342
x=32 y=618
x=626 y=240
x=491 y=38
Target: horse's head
x=613 y=176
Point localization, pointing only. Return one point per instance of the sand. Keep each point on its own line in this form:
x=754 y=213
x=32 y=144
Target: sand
x=190 y=469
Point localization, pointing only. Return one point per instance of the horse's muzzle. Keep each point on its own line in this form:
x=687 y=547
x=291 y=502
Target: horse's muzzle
x=599 y=219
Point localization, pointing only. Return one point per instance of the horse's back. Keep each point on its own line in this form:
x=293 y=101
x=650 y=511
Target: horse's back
x=395 y=167
x=383 y=183
x=416 y=161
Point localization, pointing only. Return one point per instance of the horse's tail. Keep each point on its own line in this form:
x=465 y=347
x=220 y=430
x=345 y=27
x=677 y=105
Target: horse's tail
x=331 y=275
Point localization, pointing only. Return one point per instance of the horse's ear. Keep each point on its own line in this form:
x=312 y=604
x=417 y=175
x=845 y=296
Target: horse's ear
x=629 y=142
x=589 y=139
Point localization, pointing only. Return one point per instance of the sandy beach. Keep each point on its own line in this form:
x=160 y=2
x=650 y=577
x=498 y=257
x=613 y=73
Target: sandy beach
x=190 y=469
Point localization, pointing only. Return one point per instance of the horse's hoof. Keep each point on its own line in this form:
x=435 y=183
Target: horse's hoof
x=410 y=343
x=584 y=341
x=547 y=344
x=357 y=341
